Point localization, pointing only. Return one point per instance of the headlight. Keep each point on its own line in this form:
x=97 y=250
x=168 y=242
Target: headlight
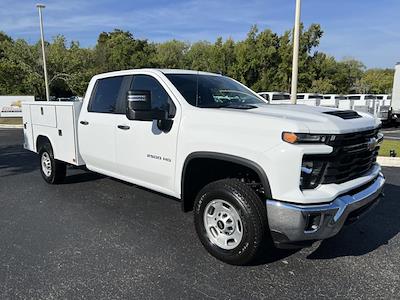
x=311 y=173
x=298 y=138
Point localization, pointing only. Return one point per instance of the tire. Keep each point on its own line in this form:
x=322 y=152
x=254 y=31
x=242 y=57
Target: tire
x=238 y=244
x=53 y=171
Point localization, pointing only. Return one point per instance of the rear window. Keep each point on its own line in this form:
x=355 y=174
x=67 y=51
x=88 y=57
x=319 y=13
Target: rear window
x=105 y=95
x=281 y=97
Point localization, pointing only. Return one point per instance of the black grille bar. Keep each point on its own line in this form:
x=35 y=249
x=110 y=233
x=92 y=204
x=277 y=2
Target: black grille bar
x=352 y=156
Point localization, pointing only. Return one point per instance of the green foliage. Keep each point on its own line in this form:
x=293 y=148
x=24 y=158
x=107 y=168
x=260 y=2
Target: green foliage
x=377 y=81
x=263 y=61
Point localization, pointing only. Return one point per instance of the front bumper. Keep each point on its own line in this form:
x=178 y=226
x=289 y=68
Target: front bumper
x=292 y=224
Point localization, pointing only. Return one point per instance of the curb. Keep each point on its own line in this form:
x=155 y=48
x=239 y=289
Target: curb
x=8 y=126
x=389 y=161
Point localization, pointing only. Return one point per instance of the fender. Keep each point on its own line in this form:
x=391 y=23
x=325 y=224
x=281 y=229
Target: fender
x=40 y=139
x=229 y=158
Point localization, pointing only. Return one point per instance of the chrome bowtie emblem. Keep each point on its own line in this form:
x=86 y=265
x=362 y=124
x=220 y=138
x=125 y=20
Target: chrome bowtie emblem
x=371 y=144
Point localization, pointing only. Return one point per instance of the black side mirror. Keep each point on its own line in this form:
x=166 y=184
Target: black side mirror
x=139 y=107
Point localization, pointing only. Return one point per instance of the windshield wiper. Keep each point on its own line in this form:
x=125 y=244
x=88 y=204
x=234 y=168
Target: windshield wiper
x=230 y=105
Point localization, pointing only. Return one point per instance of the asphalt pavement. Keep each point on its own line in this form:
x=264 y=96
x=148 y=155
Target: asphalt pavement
x=99 y=238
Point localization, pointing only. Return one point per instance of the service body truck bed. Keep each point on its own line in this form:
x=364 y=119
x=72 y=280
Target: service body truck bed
x=56 y=121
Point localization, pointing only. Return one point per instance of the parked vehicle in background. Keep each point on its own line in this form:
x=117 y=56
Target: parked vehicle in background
x=362 y=102
x=249 y=171
x=309 y=99
x=384 y=99
x=395 y=103
x=383 y=107
x=332 y=100
x=276 y=97
x=72 y=98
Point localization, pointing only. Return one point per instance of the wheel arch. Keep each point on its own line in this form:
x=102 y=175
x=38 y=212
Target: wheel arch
x=186 y=204
x=40 y=141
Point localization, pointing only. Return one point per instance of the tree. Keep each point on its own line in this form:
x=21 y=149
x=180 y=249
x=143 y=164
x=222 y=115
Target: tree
x=171 y=54
x=378 y=81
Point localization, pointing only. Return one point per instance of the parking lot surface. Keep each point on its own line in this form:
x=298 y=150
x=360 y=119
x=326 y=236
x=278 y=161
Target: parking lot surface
x=96 y=237
x=391 y=133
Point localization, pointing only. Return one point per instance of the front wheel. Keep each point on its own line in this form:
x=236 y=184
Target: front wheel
x=230 y=220
x=52 y=170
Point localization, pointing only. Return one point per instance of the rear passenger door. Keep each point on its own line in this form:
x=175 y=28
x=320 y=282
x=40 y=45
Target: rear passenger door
x=97 y=124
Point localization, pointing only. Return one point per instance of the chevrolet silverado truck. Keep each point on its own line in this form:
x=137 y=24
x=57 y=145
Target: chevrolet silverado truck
x=250 y=172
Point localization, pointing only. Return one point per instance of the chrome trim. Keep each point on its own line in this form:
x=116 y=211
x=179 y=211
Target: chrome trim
x=291 y=220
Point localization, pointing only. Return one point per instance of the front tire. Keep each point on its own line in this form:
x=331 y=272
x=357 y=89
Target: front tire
x=53 y=171
x=230 y=221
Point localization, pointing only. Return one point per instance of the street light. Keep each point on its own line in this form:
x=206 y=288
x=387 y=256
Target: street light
x=295 y=65
x=40 y=6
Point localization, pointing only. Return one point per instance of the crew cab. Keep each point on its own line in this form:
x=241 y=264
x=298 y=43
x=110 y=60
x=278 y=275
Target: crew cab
x=250 y=172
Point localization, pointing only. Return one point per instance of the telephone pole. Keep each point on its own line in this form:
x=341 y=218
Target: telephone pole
x=295 y=65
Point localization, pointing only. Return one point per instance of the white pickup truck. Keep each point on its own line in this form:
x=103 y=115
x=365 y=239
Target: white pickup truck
x=251 y=172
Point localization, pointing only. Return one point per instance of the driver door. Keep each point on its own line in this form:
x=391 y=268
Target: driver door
x=145 y=155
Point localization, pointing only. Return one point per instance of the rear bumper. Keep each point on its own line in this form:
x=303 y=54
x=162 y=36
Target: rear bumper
x=298 y=224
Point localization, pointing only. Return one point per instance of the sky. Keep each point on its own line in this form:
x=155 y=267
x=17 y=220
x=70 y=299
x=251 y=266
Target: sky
x=367 y=30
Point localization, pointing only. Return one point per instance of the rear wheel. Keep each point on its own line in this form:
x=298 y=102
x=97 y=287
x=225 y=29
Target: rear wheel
x=230 y=221
x=53 y=171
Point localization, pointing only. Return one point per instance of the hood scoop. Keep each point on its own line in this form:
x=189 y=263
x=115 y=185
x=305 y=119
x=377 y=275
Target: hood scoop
x=344 y=114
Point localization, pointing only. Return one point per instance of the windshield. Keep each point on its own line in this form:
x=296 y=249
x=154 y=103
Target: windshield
x=212 y=91
x=281 y=97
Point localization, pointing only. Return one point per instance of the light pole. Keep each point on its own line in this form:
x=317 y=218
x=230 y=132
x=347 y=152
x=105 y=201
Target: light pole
x=295 y=65
x=46 y=83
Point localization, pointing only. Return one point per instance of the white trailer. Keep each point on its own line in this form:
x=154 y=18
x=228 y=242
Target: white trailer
x=276 y=97
x=309 y=99
x=332 y=100
x=395 y=104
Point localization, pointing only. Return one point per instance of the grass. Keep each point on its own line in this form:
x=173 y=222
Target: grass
x=11 y=121
x=388 y=145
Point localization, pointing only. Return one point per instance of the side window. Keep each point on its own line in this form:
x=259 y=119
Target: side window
x=105 y=95
x=266 y=97
x=159 y=97
x=300 y=96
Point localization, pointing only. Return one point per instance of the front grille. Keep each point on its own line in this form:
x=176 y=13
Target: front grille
x=351 y=158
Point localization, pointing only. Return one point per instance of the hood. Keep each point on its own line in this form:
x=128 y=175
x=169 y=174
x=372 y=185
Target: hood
x=316 y=118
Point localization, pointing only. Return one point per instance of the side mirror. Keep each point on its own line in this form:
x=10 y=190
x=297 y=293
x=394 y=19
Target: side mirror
x=139 y=107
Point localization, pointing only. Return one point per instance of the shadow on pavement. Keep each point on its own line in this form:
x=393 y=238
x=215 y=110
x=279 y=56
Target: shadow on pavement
x=377 y=229
x=83 y=176
x=14 y=159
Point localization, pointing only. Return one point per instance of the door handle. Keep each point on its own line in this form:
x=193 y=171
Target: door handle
x=124 y=127
x=84 y=122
